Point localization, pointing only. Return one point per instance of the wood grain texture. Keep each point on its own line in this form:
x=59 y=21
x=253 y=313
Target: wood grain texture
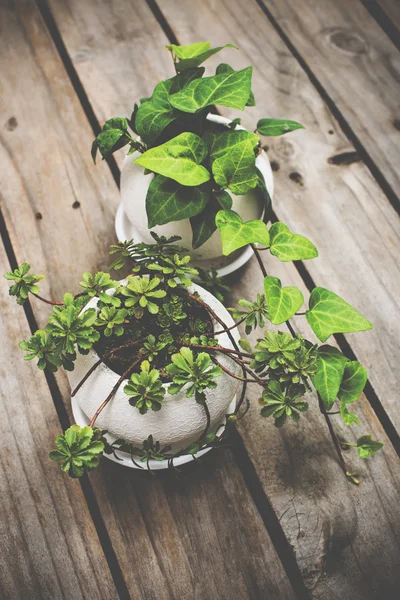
x=341 y=533
x=198 y=538
x=340 y=208
x=327 y=521
x=48 y=544
x=357 y=65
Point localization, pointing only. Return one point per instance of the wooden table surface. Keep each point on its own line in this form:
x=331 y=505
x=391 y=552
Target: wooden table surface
x=273 y=517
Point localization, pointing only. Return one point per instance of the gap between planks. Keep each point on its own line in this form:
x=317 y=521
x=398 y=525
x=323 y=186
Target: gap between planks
x=63 y=417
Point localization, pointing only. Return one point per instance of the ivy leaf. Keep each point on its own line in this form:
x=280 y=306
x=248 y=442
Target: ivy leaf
x=225 y=68
x=330 y=370
x=353 y=382
x=366 y=446
x=167 y=200
x=266 y=198
x=348 y=417
x=193 y=55
x=234 y=161
x=277 y=126
x=151 y=120
x=288 y=246
x=178 y=159
x=227 y=89
x=203 y=225
x=282 y=303
x=328 y=314
x=236 y=234
x=112 y=137
x=156 y=113
x=79 y=449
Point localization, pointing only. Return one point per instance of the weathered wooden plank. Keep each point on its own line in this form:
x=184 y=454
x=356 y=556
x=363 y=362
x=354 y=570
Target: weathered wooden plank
x=298 y=467
x=341 y=533
x=392 y=10
x=202 y=538
x=357 y=65
x=339 y=207
x=48 y=544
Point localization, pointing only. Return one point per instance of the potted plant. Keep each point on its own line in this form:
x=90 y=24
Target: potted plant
x=188 y=163
x=157 y=369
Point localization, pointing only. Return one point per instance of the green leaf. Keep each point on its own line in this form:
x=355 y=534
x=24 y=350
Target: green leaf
x=330 y=369
x=328 y=314
x=282 y=303
x=167 y=200
x=156 y=113
x=109 y=141
x=288 y=246
x=277 y=126
x=236 y=234
x=366 y=446
x=225 y=68
x=203 y=225
x=178 y=159
x=233 y=161
x=193 y=55
x=227 y=89
x=151 y=120
x=263 y=191
x=353 y=382
x=348 y=417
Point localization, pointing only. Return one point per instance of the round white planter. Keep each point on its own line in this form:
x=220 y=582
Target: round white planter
x=180 y=421
x=131 y=220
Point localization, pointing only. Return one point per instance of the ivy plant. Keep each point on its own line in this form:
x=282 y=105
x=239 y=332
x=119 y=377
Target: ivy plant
x=196 y=164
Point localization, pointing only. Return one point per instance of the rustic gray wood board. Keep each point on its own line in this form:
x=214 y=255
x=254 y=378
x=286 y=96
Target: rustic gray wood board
x=160 y=530
x=358 y=66
x=340 y=208
x=335 y=527
x=328 y=519
x=48 y=544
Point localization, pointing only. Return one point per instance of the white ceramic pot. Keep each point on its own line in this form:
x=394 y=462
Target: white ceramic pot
x=134 y=186
x=180 y=421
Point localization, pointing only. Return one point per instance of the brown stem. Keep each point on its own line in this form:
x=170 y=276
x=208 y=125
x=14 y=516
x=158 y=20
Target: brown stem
x=217 y=349
x=231 y=327
x=233 y=374
x=47 y=301
x=114 y=390
x=259 y=260
x=208 y=416
x=333 y=435
x=107 y=355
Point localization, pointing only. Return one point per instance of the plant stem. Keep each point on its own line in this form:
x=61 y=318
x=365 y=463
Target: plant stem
x=333 y=435
x=94 y=367
x=47 y=301
x=259 y=260
x=321 y=404
x=114 y=390
x=231 y=327
x=233 y=374
x=208 y=416
x=217 y=349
